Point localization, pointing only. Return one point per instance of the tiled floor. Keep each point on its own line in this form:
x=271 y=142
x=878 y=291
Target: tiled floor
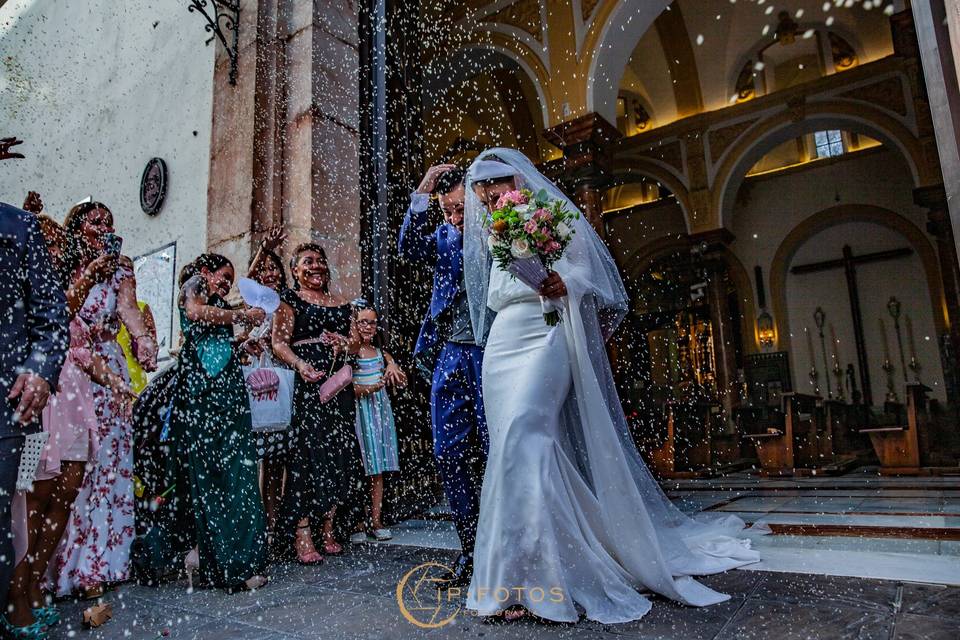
x=354 y=597
x=890 y=581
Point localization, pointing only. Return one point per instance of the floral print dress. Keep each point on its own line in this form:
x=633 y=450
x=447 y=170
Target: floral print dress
x=95 y=546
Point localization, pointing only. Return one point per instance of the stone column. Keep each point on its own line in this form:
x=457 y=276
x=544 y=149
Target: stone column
x=711 y=245
x=285 y=138
x=936 y=52
x=229 y=196
x=320 y=160
x=586 y=169
x=939 y=225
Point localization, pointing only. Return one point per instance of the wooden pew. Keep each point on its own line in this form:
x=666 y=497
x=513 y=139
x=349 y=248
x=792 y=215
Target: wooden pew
x=898 y=446
x=686 y=452
x=850 y=445
x=802 y=442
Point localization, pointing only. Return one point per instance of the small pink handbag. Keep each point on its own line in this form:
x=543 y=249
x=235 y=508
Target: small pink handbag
x=335 y=382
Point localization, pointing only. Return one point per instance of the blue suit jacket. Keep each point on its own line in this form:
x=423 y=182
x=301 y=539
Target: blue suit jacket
x=442 y=248
x=34 y=333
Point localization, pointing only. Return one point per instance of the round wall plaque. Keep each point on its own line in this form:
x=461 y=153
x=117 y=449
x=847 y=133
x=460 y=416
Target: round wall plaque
x=153 y=186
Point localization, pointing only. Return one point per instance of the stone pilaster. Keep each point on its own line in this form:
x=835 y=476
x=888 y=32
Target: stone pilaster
x=934 y=199
x=586 y=169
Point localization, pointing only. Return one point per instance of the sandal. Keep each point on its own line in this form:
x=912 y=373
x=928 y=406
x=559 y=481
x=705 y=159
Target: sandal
x=514 y=613
x=250 y=584
x=307 y=554
x=35 y=631
x=332 y=547
x=48 y=616
x=97 y=615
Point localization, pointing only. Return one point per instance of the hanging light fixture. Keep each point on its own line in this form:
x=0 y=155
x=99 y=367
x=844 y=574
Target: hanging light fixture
x=766 y=332
x=766 y=335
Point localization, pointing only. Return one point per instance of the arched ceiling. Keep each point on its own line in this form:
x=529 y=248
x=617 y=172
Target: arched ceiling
x=679 y=57
x=703 y=44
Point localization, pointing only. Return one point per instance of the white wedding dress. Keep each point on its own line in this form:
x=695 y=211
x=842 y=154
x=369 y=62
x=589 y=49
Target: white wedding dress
x=570 y=520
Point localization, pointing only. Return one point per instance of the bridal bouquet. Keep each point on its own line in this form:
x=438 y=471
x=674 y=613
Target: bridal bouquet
x=528 y=233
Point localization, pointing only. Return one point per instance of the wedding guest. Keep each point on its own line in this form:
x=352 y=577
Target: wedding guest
x=70 y=420
x=215 y=520
x=312 y=334
x=266 y=268
x=375 y=370
x=33 y=346
x=95 y=547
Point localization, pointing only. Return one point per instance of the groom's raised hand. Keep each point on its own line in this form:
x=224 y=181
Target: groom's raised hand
x=430 y=178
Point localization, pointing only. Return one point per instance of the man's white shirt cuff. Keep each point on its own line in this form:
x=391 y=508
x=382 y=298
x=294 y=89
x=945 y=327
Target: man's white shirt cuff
x=419 y=202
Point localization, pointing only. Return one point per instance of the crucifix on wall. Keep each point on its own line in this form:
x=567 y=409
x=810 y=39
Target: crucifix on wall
x=848 y=262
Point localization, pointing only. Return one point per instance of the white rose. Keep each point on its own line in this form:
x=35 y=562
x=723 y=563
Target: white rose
x=491 y=242
x=523 y=210
x=520 y=248
x=564 y=231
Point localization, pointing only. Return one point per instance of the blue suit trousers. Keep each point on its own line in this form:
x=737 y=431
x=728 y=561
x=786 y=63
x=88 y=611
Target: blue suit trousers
x=460 y=439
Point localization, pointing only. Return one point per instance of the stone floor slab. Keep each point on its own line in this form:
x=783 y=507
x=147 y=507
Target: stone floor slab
x=763 y=620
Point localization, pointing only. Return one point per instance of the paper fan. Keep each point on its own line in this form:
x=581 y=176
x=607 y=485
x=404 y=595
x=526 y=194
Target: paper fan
x=257 y=295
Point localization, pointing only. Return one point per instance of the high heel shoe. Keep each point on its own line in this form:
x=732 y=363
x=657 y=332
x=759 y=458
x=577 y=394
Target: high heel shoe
x=250 y=584
x=330 y=545
x=303 y=545
x=35 y=631
x=191 y=562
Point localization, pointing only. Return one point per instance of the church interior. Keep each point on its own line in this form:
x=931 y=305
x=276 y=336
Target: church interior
x=770 y=187
x=769 y=183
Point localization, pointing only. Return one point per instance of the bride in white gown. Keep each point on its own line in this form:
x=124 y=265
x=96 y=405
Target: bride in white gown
x=571 y=520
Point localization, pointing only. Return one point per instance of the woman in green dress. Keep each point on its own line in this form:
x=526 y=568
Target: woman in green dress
x=211 y=514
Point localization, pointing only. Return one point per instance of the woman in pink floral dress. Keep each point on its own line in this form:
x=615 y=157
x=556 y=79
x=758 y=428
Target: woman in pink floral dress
x=95 y=548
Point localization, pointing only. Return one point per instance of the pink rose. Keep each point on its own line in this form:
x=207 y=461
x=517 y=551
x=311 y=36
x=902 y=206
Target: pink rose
x=511 y=197
x=553 y=246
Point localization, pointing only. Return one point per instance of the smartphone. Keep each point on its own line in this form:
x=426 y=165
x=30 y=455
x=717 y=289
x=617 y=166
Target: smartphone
x=112 y=243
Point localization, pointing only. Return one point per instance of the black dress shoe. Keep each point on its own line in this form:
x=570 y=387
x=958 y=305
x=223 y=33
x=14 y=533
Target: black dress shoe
x=461 y=572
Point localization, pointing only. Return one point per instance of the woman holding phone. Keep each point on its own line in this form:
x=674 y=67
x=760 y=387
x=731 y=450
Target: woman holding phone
x=95 y=548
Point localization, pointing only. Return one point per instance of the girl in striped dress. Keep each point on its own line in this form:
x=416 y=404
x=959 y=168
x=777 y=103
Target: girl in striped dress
x=373 y=372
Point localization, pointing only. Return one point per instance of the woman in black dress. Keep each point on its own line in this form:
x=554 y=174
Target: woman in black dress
x=312 y=334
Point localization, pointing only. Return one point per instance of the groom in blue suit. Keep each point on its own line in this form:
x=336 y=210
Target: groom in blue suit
x=447 y=349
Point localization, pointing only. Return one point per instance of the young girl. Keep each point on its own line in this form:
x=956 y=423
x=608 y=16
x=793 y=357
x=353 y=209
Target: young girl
x=374 y=370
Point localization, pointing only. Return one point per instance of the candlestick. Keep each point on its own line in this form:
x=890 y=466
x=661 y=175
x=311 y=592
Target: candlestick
x=813 y=375
x=893 y=308
x=910 y=342
x=883 y=336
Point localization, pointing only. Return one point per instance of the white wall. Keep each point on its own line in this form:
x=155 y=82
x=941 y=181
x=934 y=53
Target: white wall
x=903 y=278
x=95 y=89
x=779 y=202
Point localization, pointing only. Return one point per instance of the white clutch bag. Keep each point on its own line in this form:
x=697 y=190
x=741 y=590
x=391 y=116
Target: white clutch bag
x=30 y=460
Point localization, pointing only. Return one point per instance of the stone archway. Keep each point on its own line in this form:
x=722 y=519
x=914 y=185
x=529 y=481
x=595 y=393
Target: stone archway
x=613 y=48
x=785 y=125
x=626 y=168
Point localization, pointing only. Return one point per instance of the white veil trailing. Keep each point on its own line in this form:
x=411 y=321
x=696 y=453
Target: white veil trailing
x=655 y=542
